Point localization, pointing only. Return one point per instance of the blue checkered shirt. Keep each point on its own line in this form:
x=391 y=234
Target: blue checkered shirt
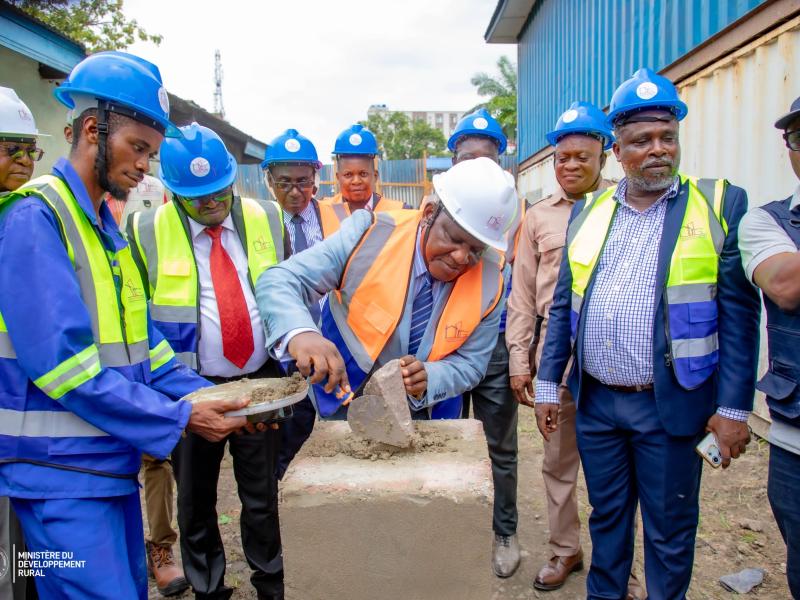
x=617 y=347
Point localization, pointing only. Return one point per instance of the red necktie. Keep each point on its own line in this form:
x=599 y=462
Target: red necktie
x=234 y=318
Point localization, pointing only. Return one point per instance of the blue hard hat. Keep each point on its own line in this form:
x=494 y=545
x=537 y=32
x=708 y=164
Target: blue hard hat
x=131 y=85
x=197 y=163
x=479 y=122
x=291 y=147
x=582 y=117
x=356 y=140
x=646 y=89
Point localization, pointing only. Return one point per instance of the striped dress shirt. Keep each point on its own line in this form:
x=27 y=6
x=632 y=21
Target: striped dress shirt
x=618 y=334
x=311 y=226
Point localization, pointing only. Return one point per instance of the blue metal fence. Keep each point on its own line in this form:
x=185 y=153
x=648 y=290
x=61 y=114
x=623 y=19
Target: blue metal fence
x=583 y=49
x=250 y=182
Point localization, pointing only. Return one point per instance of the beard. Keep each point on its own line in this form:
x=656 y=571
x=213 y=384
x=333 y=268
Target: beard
x=650 y=183
x=102 y=165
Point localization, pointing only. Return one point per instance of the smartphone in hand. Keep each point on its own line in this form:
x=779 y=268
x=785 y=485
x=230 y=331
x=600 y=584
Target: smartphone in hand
x=709 y=450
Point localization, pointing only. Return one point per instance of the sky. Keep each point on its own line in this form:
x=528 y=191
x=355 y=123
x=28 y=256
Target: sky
x=315 y=65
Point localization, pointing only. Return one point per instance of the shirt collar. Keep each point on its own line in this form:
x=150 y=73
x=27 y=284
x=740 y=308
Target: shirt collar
x=308 y=214
x=64 y=170
x=795 y=201
x=197 y=229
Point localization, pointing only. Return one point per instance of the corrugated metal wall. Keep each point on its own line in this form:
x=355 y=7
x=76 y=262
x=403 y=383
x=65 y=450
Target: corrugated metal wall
x=250 y=182
x=583 y=49
x=403 y=180
x=729 y=130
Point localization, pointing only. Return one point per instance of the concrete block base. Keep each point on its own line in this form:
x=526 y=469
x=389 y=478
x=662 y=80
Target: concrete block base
x=367 y=521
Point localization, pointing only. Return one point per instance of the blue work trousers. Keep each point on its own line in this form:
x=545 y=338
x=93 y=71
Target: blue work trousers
x=628 y=458
x=104 y=539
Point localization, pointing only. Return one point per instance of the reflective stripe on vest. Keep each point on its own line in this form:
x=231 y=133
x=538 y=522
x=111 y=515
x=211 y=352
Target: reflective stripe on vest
x=120 y=335
x=165 y=246
x=363 y=313
x=334 y=210
x=691 y=287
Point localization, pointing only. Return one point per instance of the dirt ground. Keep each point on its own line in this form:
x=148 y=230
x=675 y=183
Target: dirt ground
x=736 y=530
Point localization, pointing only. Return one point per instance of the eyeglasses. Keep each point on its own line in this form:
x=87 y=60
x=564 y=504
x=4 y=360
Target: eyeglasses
x=286 y=186
x=217 y=197
x=792 y=139
x=17 y=152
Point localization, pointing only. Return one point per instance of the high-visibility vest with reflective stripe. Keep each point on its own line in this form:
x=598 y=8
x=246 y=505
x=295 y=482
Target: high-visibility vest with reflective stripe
x=362 y=314
x=163 y=240
x=334 y=210
x=118 y=314
x=691 y=287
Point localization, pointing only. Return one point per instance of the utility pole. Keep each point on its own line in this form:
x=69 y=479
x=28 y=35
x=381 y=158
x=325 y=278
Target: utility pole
x=219 y=109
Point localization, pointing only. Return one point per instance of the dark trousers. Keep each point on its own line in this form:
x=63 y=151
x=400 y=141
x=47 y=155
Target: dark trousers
x=196 y=463
x=783 y=490
x=294 y=433
x=494 y=405
x=627 y=459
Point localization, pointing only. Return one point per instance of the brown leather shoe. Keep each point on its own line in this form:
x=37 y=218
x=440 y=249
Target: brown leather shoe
x=553 y=575
x=161 y=564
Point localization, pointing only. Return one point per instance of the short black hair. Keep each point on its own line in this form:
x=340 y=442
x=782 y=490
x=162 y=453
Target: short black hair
x=475 y=136
x=369 y=157
x=115 y=121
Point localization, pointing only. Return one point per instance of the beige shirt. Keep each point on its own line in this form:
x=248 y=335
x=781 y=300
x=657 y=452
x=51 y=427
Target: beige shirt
x=541 y=244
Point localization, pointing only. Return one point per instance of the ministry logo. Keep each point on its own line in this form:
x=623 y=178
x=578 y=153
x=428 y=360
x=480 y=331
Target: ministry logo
x=4 y=563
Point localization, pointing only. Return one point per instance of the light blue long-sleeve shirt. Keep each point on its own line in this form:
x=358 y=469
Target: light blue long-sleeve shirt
x=284 y=291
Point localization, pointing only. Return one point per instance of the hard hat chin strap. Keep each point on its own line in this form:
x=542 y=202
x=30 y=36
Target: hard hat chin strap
x=101 y=160
x=431 y=220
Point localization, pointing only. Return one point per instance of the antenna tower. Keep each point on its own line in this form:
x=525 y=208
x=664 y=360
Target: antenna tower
x=219 y=109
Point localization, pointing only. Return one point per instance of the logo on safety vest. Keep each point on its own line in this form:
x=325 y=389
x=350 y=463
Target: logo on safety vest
x=454 y=332
x=134 y=292
x=690 y=230
x=261 y=245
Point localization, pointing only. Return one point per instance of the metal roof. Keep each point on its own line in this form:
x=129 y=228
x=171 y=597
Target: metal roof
x=507 y=21
x=38 y=41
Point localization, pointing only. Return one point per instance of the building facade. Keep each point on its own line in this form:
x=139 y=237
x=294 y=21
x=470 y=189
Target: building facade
x=734 y=63
x=443 y=120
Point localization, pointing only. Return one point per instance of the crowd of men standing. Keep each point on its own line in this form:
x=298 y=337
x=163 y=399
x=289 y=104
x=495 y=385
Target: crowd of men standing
x=634 y=306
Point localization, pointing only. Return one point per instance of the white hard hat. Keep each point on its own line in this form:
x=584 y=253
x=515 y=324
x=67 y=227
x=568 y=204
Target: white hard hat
x=481 y=197
x=16 y=119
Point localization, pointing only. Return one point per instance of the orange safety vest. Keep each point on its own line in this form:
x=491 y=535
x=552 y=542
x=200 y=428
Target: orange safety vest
x=361 y=315
x=333 y=210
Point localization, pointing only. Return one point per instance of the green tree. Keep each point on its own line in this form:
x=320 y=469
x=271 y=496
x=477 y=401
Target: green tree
x=502 y=93
x=97 y=24
x=399 y=137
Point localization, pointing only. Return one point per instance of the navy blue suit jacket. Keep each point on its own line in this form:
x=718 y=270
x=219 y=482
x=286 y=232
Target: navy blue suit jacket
x=682 y=412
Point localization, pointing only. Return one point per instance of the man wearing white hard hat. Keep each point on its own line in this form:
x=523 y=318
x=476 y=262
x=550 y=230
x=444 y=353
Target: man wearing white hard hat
x=18 y=136
x=435 y=277
x=18 y=152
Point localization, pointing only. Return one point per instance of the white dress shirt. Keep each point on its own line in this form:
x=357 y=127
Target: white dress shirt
x=212 y=361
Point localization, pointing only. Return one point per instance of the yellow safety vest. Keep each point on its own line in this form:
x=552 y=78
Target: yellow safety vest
x=164 y=244
x=691 y=287
x=118 y=313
